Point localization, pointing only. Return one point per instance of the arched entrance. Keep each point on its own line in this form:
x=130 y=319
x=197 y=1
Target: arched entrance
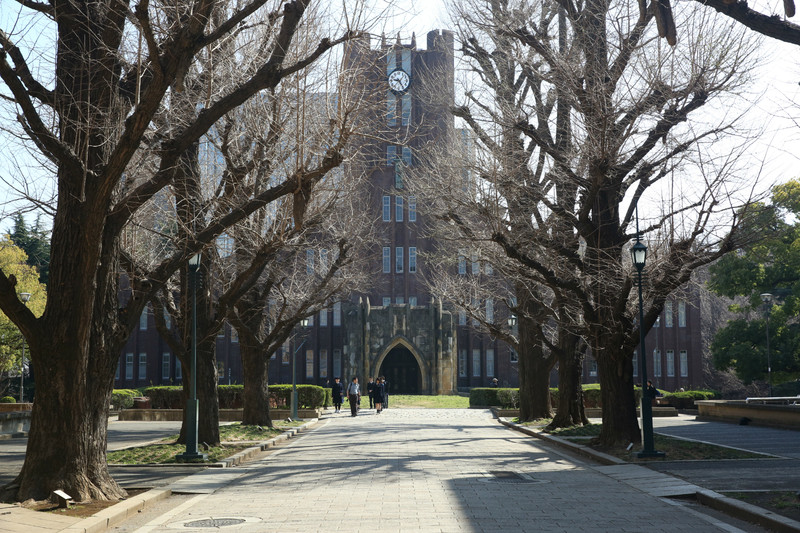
x=402 y=372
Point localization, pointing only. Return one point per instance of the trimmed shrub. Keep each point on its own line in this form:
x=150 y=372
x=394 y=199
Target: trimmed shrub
x=122 y=398
x=484 y=397
x=8 y=399
x=790 y=388
x=508 y=398
x=164 y=397
x=591 y=395
x=308 y=396
x=685 y=400
x=230 y=396
x=328 y=397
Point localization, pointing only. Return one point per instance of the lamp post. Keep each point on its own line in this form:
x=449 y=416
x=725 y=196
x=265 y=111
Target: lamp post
x=639 y=257
x=24 y=297
x=191 y=454
x=767 y=299
x=303 y=324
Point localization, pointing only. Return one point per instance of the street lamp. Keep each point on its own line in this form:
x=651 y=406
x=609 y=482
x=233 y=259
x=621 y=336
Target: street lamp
x=767 y=299
x=303 y=324
x=192 y=413
x=639 y=257
x=24 y=296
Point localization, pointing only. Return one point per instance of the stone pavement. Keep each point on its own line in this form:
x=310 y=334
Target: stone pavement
x=409 y=470
x=419 y=470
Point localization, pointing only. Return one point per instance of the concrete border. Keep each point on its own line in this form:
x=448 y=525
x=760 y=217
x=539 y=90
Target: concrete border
x=730 y=506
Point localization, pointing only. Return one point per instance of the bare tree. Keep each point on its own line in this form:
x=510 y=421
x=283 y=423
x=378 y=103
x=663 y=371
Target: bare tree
x=105 y=109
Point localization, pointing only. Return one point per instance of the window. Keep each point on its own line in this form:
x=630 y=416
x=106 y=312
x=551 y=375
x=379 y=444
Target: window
x=391 y=155
x=475 y=306
x=286 y=353
x=387 y=209
x=387 y=301
x=668 y=314
x=165 y=366
x=489 y=269
x=128 y=366
x=337 y=363
x=323 y=320
x=462 y=262
x=398 y=208
x=490 y=362
x=635 y=364
x=142 y=367
x=221 y=332
x=513 y=355
x=323 y=363
x=234 y=335
x=462 y=364
x=116 y=374
x=398 y=259
x=681 y=313
x=412 y=208
x=462 y=317
x=593 y=368
x=412 y=301
x=323 y=260
x=399 y=300
x=309 y=261
x=657 y=363
x=337 y=314
x=476 y=266
x=670 y=363
x=406 y=111
x=167 y=319
x=143 y=319
x=391 y=109
x=178 y=369
x=398 y=175
x=387 y=259
x=412 y=259
x=684 y=356
x=406 y=155
x=489 y=313
x=310 y=364
x=476 y=362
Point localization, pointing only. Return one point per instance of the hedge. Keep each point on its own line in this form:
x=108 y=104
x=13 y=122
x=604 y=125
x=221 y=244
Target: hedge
x=509 y=398
x=685 y=399
x=123 y=398
x=8 y=399
x=232 y=396
x=790 y=388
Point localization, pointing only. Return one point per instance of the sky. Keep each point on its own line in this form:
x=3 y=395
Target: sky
x=776 y=100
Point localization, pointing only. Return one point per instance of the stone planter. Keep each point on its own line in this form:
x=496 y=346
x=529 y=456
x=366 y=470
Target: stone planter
x=225 y=415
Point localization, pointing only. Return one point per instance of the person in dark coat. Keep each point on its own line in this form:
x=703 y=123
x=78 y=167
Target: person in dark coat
x=370 y=388
x=385 y=404
x=337 y=389
x=377 y=395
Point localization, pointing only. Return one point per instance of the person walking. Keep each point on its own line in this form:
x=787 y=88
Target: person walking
x=385 y=404
x=354 y=396
x=337 y=389
x=370 y=388
x=377 y=395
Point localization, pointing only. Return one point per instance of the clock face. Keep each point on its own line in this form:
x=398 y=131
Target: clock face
x=399 y=80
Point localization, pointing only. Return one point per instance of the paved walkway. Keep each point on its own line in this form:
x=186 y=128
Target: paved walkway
x=420 y=470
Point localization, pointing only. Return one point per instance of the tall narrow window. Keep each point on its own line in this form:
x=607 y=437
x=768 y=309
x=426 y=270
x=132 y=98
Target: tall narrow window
x=476 y=266
x=391 y=108
x=592 y=368
x=684 y=363
x=668 y=314
x=476 y=310
x=489 y=310
x=116 y=375
x=513 y=356
x=398 y=208
x=398 y=259
x=476 y=362
x=167 y=319
x=143 y=319
x=412 y=301
x=462 y=364
x=387 y=208
x=178 y=369
x=462 y=317
x=387 y=301
x=337 y=314
x=405 y=102
x=635 y=364
x=337 y=363
x=165 y=366
x=399 y=300
x=142 y=367
x=406 y=155
x=129 y=366
x=387 y=259
x=657 y=363
x=489 y=362
x=462 y=262
x=323 y=319
x=412 y=259
x=681 y=313
x=412 y=208
x=670 y=363
x=309 y=364
x=309 y=261
x=323 y=260
x=234 y=335
x=323 y=363
x=391 y=155
x=398 y=174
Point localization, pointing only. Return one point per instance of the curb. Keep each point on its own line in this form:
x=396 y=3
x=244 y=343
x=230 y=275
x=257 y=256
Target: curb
x=105 y=519
x=709 y=498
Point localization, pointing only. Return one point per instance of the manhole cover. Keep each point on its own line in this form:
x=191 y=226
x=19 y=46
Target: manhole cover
x=509 y=476
x=215 y=522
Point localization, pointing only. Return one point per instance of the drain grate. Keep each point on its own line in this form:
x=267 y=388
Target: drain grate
x=215 y=522
x=509 y=476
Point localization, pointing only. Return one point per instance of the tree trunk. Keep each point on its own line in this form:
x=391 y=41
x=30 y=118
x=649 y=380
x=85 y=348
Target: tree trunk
x=570 y=371
x=534 y=367
x=207 y=397
x=255 y=372
x=620 y=425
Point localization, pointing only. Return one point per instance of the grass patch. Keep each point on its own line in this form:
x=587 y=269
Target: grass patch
x=784 y=503
x=234 y=437
x=424 y=401
x=539 y=422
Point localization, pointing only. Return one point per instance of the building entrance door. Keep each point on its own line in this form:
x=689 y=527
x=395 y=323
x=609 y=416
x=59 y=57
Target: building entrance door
x=401 y=371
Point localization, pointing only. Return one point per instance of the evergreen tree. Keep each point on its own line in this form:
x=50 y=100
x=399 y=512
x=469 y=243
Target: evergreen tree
x=35 y=242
